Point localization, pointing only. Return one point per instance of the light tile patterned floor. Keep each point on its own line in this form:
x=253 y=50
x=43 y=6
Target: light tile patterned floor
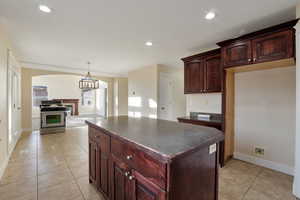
x=55 y=167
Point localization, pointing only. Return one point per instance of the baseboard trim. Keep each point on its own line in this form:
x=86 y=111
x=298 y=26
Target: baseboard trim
x=264 y=163
x=3 y=167
x=5 y=163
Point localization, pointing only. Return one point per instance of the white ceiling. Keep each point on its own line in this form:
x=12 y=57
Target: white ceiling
x=111 y=34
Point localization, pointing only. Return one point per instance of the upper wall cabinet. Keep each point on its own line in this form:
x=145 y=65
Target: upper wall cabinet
x=270 y=44
x=202 y=72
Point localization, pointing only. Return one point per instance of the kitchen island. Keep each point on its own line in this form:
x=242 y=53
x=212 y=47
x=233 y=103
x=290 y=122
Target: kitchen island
x=142 y=158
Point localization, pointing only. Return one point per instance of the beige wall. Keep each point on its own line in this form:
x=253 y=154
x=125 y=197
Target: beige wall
x=177 y=96
x=143 y=89
x=145 y=84
x=27 y=75
x=210 y=103
x=120 y=96
x=123 y=96
x=265 y=115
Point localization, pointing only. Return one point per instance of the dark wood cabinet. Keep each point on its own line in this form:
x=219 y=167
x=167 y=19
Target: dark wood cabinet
x=143 y=189
x=93 y=153
x=192 y=77
x=236 y=54
x=104 y=171
x=202 y=73
x=124 y=170
x=270 y=44
x=212 y=74
x=119 y=173
x=271 y=47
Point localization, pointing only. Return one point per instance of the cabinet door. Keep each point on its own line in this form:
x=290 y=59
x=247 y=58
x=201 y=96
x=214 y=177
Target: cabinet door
x=193 y=77
x=273 y=47
x=213 y=74
x=237 y=54
x=93 y=154
x=119 y=182
x=103 y=182
x=143 y=189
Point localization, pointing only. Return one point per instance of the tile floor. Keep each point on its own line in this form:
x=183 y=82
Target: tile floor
x=55 y=167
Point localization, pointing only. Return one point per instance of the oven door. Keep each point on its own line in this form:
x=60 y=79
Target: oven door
x=53 y=119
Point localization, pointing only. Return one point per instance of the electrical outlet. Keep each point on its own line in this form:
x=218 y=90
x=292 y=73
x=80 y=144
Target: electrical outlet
x=259 y=151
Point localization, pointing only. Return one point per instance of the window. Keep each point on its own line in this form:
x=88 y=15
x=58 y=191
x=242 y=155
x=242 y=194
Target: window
x=87 y=97
x=39 y=93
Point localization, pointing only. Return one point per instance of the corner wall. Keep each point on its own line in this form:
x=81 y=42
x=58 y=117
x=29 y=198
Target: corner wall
x=265 y=117
x=296 y=186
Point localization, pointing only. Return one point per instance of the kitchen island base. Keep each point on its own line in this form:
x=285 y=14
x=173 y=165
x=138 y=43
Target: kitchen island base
x=125 y=169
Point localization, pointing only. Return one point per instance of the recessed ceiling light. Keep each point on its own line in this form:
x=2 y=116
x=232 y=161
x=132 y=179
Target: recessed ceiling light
x=149 y=43
x=45 y=9
x=210 y=15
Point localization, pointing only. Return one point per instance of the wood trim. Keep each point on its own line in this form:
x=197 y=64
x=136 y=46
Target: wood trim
x=277 y=28
x=263 y=66
x=229 y=116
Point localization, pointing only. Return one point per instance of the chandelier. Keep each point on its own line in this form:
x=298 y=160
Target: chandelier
x=88 y=82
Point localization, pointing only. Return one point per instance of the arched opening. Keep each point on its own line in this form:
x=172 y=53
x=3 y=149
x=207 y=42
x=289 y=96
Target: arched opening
x=65 y=87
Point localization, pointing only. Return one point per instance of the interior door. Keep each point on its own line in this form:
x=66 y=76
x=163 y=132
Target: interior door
x=165 y=96
x=3 y=104
x=14 y=103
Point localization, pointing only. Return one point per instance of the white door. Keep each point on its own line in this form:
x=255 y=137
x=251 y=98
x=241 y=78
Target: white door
x=14 y=104
x=165 y=96
x=3 y=104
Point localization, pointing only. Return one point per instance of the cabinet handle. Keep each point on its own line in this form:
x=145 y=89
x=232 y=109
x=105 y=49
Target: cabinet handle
x=127 y=173
x=254 y=59
x=249 y=60
x=97 y=136
x=129 y=157
x=131 y=177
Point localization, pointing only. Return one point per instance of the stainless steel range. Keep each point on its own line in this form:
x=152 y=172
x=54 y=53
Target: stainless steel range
x=53 y=117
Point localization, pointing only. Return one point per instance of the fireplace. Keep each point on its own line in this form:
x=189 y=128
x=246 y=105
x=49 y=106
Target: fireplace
x=71 y=103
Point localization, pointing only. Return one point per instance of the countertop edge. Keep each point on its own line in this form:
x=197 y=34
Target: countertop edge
x=153 y=152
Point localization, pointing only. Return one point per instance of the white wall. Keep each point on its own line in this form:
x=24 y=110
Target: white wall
x=265 y=116
x=209 y=103
x=62 y=87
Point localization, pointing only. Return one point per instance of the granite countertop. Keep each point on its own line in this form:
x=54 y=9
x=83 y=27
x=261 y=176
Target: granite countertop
x=167 y=138
x=211 y=120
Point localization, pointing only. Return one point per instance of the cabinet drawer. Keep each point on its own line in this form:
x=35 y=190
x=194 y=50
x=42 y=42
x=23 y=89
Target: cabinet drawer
x=101 y=138
x=152 y=169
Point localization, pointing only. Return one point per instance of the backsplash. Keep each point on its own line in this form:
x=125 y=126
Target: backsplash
x=208 y=103
x=215 y=116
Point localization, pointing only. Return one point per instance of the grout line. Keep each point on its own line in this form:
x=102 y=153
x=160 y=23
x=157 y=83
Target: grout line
x=251 y=185
x=37 y=165
x=75 y=180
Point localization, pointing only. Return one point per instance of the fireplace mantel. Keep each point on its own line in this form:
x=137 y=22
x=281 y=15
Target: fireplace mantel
x=74 y=102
